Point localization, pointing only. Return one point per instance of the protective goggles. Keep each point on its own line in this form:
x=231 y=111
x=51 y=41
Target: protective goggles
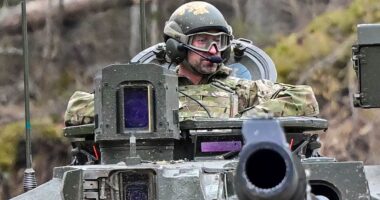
x=203 y=41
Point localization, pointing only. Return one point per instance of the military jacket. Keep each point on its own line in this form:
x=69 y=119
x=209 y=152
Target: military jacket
x=226 y=96
x=221 y=96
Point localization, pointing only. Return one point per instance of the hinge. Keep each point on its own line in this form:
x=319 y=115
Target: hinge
x=356 y=56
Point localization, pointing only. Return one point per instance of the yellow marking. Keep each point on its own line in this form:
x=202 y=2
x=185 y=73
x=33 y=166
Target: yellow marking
x=197 y=8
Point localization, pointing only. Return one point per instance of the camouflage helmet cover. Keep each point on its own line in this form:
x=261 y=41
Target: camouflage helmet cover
x=193 y=17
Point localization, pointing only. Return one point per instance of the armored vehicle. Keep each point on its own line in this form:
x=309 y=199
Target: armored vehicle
x=142 y=150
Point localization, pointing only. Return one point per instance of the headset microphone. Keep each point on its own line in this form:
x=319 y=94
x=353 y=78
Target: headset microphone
x=215 y=59
x=212 y=59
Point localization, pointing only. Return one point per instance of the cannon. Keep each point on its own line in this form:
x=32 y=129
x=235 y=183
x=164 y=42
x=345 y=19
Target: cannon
x=267 y=169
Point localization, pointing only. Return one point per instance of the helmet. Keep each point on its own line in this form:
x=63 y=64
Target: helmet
x=190 y=19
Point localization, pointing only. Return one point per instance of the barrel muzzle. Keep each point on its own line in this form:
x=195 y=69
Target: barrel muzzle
x=267 y=169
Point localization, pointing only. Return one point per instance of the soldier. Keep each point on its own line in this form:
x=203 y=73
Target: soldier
x=201 y=36
x=198 y=37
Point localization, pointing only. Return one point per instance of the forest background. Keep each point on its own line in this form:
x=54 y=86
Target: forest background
x=70 y=40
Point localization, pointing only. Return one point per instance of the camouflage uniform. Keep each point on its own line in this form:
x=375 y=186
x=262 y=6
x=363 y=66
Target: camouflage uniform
x=222 y=96
x=226 y=96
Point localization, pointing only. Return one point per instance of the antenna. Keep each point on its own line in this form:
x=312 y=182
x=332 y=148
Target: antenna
x=29 y=175
x=142 y=24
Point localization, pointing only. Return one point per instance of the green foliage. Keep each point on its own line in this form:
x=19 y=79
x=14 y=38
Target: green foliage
x=321 y=37
x=11 y=134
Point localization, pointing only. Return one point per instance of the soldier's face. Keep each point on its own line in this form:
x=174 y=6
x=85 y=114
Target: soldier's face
x=202 y=65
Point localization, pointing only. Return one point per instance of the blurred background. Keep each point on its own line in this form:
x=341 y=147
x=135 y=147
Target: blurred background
x=70 y=40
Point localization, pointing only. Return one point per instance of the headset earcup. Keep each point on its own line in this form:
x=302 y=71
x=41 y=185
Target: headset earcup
x=175 y=51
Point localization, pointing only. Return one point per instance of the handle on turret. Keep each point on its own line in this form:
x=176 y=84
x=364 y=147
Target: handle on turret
x=267 y=169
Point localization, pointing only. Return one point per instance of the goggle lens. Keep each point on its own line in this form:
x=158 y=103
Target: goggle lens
x=204 y=41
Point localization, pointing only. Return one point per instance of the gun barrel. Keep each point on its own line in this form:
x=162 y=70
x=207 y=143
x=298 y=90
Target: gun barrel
x=267 y=169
